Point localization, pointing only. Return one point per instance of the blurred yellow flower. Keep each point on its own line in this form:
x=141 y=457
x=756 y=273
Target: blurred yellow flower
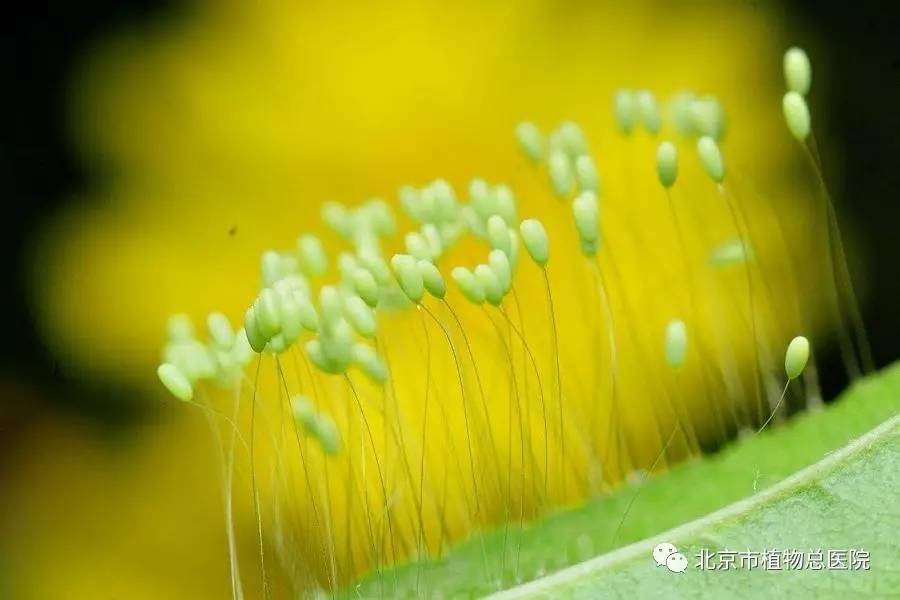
x=219 y=133
x=87 y=514
x=244 y=118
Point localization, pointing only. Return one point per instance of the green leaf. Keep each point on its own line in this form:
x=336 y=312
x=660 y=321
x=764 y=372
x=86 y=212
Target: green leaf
x=847 y=498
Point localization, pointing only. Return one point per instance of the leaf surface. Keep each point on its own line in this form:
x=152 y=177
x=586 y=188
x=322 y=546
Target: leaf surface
x=826 y=513
x=854 y=502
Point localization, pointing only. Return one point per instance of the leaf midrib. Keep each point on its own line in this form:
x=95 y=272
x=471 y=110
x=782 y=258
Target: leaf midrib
x=638 y=550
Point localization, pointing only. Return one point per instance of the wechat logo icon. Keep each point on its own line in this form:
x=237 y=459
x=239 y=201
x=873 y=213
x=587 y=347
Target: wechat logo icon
x=667 y=555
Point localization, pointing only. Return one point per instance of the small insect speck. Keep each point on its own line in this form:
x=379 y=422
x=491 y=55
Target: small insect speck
x=233 y=231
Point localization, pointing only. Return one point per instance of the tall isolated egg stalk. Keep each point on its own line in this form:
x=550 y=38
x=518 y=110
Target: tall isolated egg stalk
x=387 y=414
